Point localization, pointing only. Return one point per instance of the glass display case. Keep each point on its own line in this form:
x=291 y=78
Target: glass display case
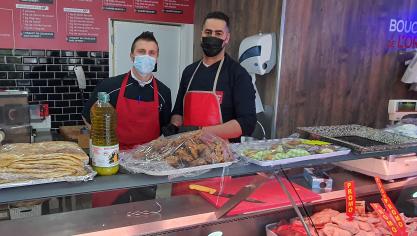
x=241 y=199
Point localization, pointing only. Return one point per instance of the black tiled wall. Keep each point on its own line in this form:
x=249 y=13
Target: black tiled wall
x=49 y=77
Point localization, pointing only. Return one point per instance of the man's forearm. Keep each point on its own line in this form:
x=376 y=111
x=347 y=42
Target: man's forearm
x=228 y=130
x=176 y=120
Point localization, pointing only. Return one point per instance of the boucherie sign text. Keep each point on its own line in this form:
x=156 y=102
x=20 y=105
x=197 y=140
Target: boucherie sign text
x=403 y=34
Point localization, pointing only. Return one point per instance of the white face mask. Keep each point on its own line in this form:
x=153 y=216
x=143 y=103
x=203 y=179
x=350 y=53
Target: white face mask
x=144 y=64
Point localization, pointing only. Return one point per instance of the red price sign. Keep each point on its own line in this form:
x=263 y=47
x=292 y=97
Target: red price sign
x=390 y=207
x=380 y=186
x=391 y=225
x=350 y=199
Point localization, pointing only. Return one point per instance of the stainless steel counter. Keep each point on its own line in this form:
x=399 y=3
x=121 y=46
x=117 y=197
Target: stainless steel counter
x=188 y=215
x=84 y=221
x=179 y=214
x=120 y=181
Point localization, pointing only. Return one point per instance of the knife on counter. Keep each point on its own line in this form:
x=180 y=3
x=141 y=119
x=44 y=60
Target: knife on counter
x=214 y=192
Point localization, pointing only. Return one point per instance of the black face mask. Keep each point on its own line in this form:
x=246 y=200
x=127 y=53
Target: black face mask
x=211 y=46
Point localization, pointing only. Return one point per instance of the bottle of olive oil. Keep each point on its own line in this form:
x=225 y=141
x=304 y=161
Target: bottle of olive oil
x=104 y=143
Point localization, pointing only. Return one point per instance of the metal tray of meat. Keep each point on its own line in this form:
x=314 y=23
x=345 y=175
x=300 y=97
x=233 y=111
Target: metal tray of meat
x=162 y=168
x=303 y=151
x=189 y=153
x=360 y=138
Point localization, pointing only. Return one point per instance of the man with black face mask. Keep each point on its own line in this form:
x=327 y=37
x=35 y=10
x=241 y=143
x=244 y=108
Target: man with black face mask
x=216 y=93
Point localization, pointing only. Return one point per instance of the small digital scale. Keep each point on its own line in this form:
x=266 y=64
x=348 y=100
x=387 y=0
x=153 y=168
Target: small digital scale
x=387 y=168
x=393 y=166
x=398 y=109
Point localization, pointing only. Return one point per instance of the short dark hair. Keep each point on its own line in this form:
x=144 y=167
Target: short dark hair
x=217 y=15
x=147 y=36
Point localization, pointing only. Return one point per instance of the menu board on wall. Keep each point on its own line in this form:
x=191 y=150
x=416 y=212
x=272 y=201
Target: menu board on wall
x=80 y=24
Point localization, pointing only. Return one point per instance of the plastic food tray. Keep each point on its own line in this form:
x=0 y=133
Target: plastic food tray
x=23 y=212
x=161 y=168
x=239 y=149
x=269 y=229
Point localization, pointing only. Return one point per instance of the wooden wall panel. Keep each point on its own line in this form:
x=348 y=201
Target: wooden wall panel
x=247 y=17
x=337 y=68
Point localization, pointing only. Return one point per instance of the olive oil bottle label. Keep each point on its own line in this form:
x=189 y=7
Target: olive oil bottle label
x=105 y=156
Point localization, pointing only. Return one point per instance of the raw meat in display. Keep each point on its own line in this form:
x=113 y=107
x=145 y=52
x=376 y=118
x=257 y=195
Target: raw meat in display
x=329 y=222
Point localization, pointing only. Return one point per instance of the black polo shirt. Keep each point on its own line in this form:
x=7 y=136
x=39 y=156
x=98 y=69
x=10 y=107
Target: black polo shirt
x=133 y=91
x=235 y=86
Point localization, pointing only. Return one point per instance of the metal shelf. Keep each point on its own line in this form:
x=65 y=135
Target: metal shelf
x=120 y=181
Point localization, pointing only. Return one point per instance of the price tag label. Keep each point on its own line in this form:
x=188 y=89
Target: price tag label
x=390 y=207
x=350 y=199
x=391 y=224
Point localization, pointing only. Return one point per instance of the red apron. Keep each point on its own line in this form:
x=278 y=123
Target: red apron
x=137 y=123
x=201 y=108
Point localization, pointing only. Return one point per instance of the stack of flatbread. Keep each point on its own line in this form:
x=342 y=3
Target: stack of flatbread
x=24 y=161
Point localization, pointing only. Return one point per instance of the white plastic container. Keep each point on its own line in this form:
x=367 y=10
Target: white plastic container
x=23 y=212
x=269 y=229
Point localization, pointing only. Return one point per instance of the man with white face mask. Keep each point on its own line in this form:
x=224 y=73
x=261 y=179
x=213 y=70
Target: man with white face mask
x=142 y=103
x=143 y=106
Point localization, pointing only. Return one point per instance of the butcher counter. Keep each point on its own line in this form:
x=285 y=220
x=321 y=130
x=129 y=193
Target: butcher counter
x=191 y=214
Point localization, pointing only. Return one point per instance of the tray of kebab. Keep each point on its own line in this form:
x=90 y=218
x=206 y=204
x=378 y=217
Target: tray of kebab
x=178 y=154
x=39 y=163
x=284 y=151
